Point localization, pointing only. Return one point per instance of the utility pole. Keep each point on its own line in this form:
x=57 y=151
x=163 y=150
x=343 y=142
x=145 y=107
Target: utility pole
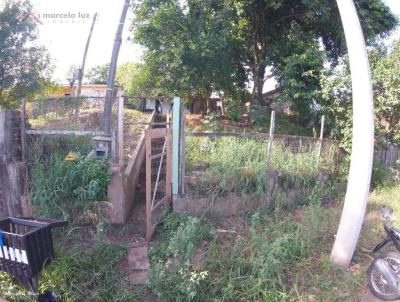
x=82 y=69
x=362 y=152
x=106 y=122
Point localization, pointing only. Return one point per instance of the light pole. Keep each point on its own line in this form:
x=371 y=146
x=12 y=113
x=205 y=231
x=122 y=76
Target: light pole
x=363 y=138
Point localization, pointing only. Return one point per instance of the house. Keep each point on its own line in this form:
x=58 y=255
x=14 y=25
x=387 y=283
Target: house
x=88 y=90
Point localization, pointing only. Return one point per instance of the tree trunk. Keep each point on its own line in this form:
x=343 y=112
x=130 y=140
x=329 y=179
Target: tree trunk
x=258 y=77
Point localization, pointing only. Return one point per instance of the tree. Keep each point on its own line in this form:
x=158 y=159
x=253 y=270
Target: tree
x=386 y=81
x=24 y=66
x=136 y=79
x=190 y=49
x=337 y=91
x=98 y=74
x=264 y=25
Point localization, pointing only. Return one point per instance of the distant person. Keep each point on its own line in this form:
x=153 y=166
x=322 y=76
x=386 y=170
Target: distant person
x=159 y=104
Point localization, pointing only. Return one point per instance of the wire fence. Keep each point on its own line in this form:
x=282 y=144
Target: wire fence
x=69 y=113
x=58 y=126
x=148 y=104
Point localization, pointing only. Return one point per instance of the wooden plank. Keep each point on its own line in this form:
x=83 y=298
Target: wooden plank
x=9 y=169
x=121 y=130
x=23 y=129
x=156 y=132
x=182 y=152
x=168 y=191
x=65 y=132
x=132 y=171
x=158 y=204
x=149 y=225
x=157 y=156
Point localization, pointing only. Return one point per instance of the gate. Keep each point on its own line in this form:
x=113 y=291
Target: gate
x=158 y=176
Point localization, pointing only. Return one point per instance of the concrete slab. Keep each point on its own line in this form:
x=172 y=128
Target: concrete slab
x=139 y=278
x=138 y=258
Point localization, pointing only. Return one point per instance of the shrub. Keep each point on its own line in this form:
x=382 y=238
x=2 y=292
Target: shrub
x=64 y=189
x=88 y=275
x=239 y=165
x=172 y=276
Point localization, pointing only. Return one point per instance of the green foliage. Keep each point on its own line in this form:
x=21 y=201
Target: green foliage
x=80 y=274
x=197 y=47
x=187 y=237
x=337 y=91
x=136 y=80
x=259 y=265
x=65 y=189
x=298 y=73
x=24 y=65
x=88 y=275
x=173 y=277
x=383 y=176
x=234 y=112
x=98 y=74
x=239 y=165
x=386 y=81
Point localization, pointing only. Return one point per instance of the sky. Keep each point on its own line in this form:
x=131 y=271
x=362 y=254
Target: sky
x=65 y=38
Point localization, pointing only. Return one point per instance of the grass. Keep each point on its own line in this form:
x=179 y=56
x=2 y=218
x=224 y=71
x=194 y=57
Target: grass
x=80 y=274
x=87 y=261
x=284 y=124
x=283 y=256
x=239 y=165
x=66 y=189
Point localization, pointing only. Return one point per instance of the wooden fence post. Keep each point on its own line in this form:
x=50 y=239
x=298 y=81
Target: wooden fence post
x=121 y=130
x=271 y=137
x=23 y=129
x=182 y=151
x=321 y=137
x=9 y=172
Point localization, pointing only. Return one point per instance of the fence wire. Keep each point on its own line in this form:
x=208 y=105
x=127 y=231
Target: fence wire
x=64 y=114
x=69 y=113
x=148 y=104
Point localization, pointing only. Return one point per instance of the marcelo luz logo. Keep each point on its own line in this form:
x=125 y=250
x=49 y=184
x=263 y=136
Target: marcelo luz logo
x=57 y=17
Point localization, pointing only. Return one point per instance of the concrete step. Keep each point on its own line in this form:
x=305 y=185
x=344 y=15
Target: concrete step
x=138 y=265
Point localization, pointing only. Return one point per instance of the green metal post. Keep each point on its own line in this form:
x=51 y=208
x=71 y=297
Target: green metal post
x=175 y=145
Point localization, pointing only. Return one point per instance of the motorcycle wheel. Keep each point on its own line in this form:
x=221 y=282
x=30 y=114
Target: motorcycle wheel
x=377 y=283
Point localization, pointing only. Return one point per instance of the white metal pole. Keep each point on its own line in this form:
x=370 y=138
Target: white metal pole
x=362 y=141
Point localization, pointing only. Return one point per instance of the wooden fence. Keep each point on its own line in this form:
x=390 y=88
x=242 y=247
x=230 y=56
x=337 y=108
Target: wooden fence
x=13 y=173
x=388 y=155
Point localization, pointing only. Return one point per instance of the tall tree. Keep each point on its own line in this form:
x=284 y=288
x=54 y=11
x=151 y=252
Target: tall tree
x=337 y=91
x=264 y=25
x=24 y=66
x=191 y=47
x=98 y=74
x=136 y=79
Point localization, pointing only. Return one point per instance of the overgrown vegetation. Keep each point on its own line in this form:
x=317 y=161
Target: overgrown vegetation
x=86 y=264
x=239 y=165
x=282 y=256
x=80 y=274
x=67 y=188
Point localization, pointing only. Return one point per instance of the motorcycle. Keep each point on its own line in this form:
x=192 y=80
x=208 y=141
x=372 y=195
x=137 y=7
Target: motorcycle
x=384 y=271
